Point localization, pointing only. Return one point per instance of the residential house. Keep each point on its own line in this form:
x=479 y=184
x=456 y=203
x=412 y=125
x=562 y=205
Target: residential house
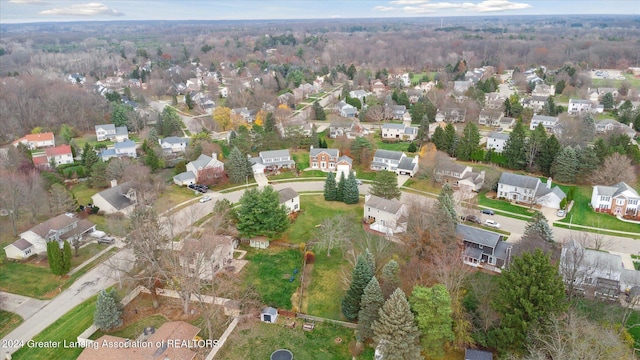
x=359 y=94
x=507 y=122
x=386 y=160
x=112 y=133
x=173 y=144
x=414 y=95
x=494 y=101
x=324 y=159
x=404 y=131
x=343 y=167
x=126 y=148
x=425 y=86
x=244 y=113
x=118 y=198
x=408 y=166
x=398 y=111
x=171 y=340
x=474 y=75
x=452 y=115
x=598 y=270
x=206 y=256
x=59 y=155
x=529 y=190
x=272 y=160
x=290 y=199
x=386 y=216
x=619 y=199
x=201 y=170
x=578 y=106
x=535 y=102
x=346 y=110
x=496 y=141
x=460 y=87
x=490 y=117
x=378 y=88
x=549 y=122
x=544 y=90
x=610 y=125
x=286 y=98
x=223 y=91
x=60 y=228
x=483 y=248
x=343 y=127
x=36 y=141
x=113 y=82
x=205 y=102
x=459 y=176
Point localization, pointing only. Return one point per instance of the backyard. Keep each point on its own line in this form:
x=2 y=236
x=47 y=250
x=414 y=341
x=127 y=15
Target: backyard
x=325 y=288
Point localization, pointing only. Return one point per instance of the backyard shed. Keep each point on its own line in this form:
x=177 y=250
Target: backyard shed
x=269 y=315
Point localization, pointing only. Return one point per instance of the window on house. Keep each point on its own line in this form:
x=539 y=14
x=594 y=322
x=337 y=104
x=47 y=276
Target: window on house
x=633 y=202
x=619 y=201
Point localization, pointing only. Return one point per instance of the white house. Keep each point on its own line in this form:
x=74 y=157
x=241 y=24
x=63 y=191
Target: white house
x=359 y=94
x=207 y=256
x=272 y=160
x=290 y=199
x=346 y=110
x=386 y=216
x=36 y=141
x=549 y=122
x=619 y=199
x=125 y=148
x=404 y=131
x=112 y=133
x=343 y=167
x=496 y=141
x=459 y=176
x=118 y=198
x=529 y=190
x=578 y=106
x=535 y=102
x=544 y=90
x=386 y=160
x=490 y=117
x=60 y=228
x=201 y=170
x=173 y=144
x=59 y=155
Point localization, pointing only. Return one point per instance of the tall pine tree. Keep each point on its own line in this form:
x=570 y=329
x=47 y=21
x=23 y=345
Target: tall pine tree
x=538 y=226
x=108 y=312
x=54 y=257
x=66 y=257
x=514 y=149
x=330 y=188
x=341 y=187
x=237 y=166
x=565 y=165
x=351 y=192
x=548 y=154
x=438 y=139
x=450 y=139
x=370 y=304
x=447 y=202
x=395 y=331
x=390 y=279
x=360 y=278
x=385 y=185
x=432 y=307
x=469 y=142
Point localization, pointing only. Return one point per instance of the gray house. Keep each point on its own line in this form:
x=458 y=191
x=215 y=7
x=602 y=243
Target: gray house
x=529 y=190
x=484 y=249
x=386 y=160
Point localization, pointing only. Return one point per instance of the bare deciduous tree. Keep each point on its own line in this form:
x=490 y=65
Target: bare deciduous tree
x=334 y=232
x=615 y=168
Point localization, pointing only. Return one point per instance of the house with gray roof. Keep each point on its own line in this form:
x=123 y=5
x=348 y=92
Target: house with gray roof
x=359 y=94
x=386 y=216
x=611 y=125
x=203 y=170
x=272 y=160
x=125 y=148
x=399 y=132
x=452 y=115
x=490 y=117
x=173 y=144
x=529 y=190
x=290 y=199
x=111 y=132
x=496 y=141
x=343 y=127
x=346 y=110
x=578 y=106
x=386 y=160
x=118 y=198
x=408 y=166
x=459 y=176
x=549 y=122
x=619 y=200
x=483 y=248
x=323 y=159
x=398 y=111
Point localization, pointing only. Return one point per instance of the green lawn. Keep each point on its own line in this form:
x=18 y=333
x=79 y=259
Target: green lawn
x=325 y=290
x=83 y=193
x=635 y=83
x=8 y=322
x=268 y=271
x=315 y=209
x=423 y=185
x=301 y=158
x=134 y=330
x=67 y=328
x=582 y=214
x=172 y=196
x=259 y=340
x=85 y=253
x=503 y=205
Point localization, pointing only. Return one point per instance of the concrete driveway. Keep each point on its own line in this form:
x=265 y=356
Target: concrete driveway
x=261 y=179
x=403 y=179
x=21 y=305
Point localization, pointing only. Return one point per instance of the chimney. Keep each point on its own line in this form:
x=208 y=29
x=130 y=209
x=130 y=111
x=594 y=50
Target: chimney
x=482 y=174
x=311 y=148
x=114 y=183
x=214 y=156
x=549 y=183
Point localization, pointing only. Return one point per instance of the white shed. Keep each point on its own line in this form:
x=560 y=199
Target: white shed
x=269 y=315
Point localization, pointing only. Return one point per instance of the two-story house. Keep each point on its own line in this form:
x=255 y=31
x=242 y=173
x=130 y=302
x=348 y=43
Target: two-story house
x=359 y=94
x=378 y=87
x=206 y=256
x=60 y=228
x=272 y=160
x=343 y=127
x=534 y=102
x=346 y=110
x=204 y=169
x=578 y=106
x=619 y=199
x=59 y=155
x=544 y=90
x=118 y=198
x=173 y=144
x=386 y=216
x=496 y=141
x=111 y=132
x=460 y=87
x=484 y=249
x=490 y=117
x=125 y=148
x=324 y=159
x=494 y=101
x=386 y=160
x=242 y=113
x=549 y=122
x=459 y=176
x=398 y=111
x=404 y=131
x=529 y=190
x=610 y=125
x=37 y=141
x=290 y=199
x=452 y=115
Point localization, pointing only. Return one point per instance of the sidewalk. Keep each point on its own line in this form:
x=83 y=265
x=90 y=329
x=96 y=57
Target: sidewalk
x=578 y=227
x=74 y=270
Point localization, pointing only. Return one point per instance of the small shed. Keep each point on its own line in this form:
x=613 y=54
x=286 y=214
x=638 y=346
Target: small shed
x=472 y=354
x=259 y=242
x=269 y=315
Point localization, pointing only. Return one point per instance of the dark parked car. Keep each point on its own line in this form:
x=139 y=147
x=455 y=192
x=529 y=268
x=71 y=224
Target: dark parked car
x=487 y=211
x=472 y=218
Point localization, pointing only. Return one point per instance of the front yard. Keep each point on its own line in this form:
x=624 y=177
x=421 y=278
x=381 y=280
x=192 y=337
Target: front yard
x=8 y=322
x=503 y=206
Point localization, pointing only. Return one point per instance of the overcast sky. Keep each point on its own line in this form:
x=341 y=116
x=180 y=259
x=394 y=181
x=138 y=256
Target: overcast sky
x=18 y=11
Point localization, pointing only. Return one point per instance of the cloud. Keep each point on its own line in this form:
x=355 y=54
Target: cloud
x=29 y=2
x=384 y=8
x=90 y=9
x=427 y=6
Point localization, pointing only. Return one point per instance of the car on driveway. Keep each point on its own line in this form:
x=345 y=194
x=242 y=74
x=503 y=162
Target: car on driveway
x=205 y=198
x=491 y=223
x=561 y=213
x=359 y=182
x=107 y=240
x=487 y=211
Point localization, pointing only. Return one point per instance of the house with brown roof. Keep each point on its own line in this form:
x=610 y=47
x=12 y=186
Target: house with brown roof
x=173 y=340
x=60 y=228
x=37 y=141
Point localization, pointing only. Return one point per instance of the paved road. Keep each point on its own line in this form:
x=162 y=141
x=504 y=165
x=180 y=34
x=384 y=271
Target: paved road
x=192 y=124
x=21 y=305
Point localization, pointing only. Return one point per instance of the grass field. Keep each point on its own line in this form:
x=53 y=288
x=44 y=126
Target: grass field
x=268 y=271
x=8 y=322
x=315 y=209
x=67 y=328
x=259 y=340
x=83 y=193
x=325 y=290
x=172 y=196
x=134 y=330
x=503 y=205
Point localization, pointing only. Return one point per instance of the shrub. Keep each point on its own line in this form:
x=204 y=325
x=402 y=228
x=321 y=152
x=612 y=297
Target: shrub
x=309 y=257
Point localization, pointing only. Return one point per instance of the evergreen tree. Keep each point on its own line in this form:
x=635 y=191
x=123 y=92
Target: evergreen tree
x=330 y=188
x=395 y=331
x=108 y=310
x=438 y=139
x=319 y=111
x=390 y=279
x=370 y=304
x=530 y=291
x=153 y=135
x=151 y=159
x=538 y=226
x=469 y=142
x=371 y=260
x=588 y=162
x=412 y=148
x=432 y=307
x=270 y=123
x=514 y=149
x=450 y=139
x=360 y=278
x=237 y=166
x=260 y=213
x=607 y=101
x=447 y=202
x=189 y=101
x=120 y=114
x=341 y=188
x=548 y=154
x=385 y=185
x=588 y=128
x=565 y=165
x=534 y=145
x=89 y=157
x=54 y=257
x=66 y=257
x=315 y=138
x=351 y=191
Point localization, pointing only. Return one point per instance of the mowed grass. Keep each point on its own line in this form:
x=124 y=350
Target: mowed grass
x=260 y=340
x=172 y=196
x=314 y=210
x=83 y=193
x=582 y=214
x=67 y=328
x=268 y=271
x=134 y=330
x=8 y=322
x=503 y=205
x=326 y=288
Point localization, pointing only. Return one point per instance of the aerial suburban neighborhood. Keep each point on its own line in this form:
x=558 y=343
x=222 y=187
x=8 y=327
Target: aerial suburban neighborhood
x=253 y=186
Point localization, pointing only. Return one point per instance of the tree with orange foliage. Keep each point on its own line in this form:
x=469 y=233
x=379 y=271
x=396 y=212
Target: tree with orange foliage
x=260 y=117
x=222 y=117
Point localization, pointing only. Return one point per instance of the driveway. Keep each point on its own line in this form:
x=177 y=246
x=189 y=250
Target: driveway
x=261 y=179
x=403 y=179
x=21 y=305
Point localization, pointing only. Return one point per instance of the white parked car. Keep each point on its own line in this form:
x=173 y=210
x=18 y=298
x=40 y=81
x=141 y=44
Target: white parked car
x=492 y=223
x=561 y=213
x=205 y=198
